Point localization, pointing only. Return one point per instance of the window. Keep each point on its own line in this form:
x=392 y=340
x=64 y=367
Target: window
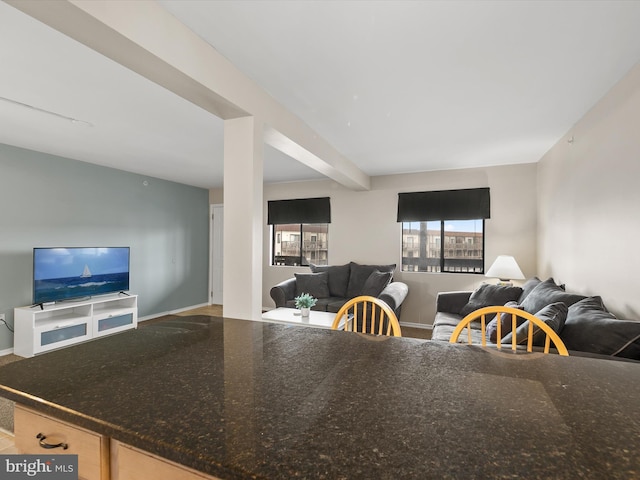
x=302 y=243
x=421 y=252
x=423 y=218
x=299 y=231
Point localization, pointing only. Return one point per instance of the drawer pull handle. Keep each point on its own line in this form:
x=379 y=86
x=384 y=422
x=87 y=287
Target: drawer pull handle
x=44 y=444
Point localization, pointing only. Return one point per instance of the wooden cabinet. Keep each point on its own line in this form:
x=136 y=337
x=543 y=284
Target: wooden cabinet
x=99 y=458
x=67 y=323
x=129 y=463
x=92 y=449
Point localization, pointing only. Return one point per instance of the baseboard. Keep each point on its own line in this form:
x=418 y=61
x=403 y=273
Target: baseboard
x=171 y=312
x=7 y=351
x=416 y=325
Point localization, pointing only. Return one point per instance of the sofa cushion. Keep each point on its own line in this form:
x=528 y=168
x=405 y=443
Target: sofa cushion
x=553 y=315
x=336 y=304
x=590 y=328
x=338 y=278
x=532 y=283
x=505 y=324
x=452 y=302
x=359 y=275
x=450 y=319
x=376 y=282
x=326 y=304
x=546 y=293
x=528 y=286
x=444 y=333
x=315 y=284
x=488 y=295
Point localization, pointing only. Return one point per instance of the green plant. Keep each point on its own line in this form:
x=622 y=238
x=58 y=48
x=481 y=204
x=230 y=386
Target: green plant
x=305 y=301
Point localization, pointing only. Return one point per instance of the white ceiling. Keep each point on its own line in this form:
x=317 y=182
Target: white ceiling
x=395 y=86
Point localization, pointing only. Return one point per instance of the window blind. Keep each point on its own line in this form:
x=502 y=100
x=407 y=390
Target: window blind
x=302 y=210
x=465 y=204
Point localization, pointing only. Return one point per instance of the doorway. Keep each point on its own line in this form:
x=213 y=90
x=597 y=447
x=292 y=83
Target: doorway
x=216 y=254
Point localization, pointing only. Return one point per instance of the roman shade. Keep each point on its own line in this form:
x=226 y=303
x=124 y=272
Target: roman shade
x=302 y=210
x=465 y=204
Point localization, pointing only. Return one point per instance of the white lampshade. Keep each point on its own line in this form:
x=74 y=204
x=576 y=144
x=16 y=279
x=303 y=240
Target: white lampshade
x=505 y=268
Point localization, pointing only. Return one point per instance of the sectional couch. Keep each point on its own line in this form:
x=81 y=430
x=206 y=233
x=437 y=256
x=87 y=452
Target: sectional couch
x=583 y=323
x=333 y=285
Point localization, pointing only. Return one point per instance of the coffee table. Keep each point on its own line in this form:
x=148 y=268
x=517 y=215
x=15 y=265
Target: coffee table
x=292 y=316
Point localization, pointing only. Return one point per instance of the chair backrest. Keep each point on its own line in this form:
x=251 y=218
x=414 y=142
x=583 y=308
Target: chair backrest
x=534 y=325
x=367 y=314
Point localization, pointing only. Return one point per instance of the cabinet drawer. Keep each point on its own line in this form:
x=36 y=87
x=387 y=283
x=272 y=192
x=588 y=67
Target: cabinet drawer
x=55 y=337
x=92 y=449
x=129 y=463
x=112 y=323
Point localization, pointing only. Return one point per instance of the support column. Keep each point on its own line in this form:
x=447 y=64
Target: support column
x=243 y=212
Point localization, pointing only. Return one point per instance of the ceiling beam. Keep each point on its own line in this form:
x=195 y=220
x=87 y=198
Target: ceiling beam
x=336 y=168
x=147 y=39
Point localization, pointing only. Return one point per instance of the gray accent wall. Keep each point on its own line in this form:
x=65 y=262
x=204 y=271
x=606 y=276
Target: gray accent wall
x=47 y=200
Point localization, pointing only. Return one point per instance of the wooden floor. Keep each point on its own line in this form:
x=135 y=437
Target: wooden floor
x=7 y=444
x=412 y=332
x=216 y=310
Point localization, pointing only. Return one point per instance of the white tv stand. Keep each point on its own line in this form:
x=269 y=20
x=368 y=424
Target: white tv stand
x=38 y=330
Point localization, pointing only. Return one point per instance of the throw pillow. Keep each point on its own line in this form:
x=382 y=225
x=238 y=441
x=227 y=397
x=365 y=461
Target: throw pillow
x=376 y=282
x=505 y=324
x=553 y=315
x=590 y=328
x=359 y=275
x=532 y=283
x=546 y=293
x=338 y=278
x=315 y=284
x=528 y=286
x=489 y=295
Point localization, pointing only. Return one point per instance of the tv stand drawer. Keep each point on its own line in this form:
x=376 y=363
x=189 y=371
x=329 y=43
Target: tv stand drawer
x=111 y=323
x=61 y=335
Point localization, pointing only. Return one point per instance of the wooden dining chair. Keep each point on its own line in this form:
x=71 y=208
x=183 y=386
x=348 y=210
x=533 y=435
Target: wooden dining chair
x=367 y=314
x=534 y=325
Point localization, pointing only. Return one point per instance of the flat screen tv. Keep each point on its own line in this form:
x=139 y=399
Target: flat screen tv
x=78 y=272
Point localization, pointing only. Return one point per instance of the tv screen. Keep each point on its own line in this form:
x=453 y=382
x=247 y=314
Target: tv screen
x=77 y=272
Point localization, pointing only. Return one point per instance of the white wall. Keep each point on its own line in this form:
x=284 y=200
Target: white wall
x=588 y=202
x=364 y=228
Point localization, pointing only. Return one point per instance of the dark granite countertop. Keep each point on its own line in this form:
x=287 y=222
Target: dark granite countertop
x=240 y=399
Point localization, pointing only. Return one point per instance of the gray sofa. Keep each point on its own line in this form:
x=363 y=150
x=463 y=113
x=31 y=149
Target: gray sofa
x=583 y=323
x=333 y=285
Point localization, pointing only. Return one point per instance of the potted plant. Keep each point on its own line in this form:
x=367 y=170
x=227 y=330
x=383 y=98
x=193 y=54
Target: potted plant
x=304 y=302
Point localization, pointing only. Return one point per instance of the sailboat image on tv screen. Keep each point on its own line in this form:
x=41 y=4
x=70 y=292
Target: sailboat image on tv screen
x=86 y=273
x=78 y=272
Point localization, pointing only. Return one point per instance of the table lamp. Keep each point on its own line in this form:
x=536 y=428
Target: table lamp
x=506 y=269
